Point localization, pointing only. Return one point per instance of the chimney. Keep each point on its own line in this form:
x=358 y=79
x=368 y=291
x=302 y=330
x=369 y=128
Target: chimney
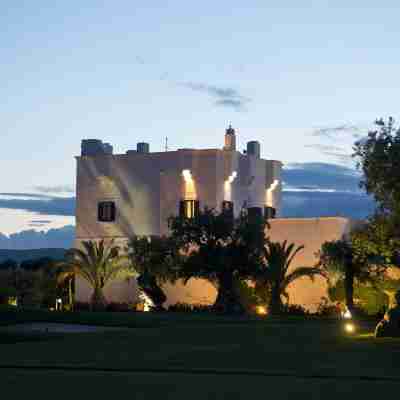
x=143 y=147
x=253 y=149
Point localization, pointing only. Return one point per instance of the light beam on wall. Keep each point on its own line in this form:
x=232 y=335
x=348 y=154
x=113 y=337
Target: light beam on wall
x=190 y=187
x=269 y=194
x=228 y=186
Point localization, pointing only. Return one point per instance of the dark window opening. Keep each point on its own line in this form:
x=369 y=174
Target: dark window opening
x=227 y=208
x=189 y=208
x=269 y=212
x=254 y=214
x=106 y=211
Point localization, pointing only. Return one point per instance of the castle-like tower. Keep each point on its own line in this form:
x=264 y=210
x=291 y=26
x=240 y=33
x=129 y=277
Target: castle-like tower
x=119 y=195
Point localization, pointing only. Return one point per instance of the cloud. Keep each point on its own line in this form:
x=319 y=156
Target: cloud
x=33 y=239
x=140 y=60
x=26 y=196
x=339 y=153
x=56 y=189
x=334 y=132
x=46 y=206
x=223 y=96
x=323 y=190
x=345 y=134
x=320 y=176
x=309 y=204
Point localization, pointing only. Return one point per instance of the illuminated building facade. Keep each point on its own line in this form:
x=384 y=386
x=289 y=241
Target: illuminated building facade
x=121 y=195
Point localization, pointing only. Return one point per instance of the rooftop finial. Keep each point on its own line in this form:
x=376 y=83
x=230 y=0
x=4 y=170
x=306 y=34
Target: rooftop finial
x=230 y=130
x=230 y=139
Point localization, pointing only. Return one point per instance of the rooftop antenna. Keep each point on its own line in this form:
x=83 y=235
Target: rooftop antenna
x=166 y=143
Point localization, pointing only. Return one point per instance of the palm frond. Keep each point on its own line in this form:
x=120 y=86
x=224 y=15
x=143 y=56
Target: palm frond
x=308 y=272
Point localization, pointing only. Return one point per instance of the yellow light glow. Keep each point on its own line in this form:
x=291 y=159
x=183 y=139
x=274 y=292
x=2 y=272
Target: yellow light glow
x=261 y=310
x=12 y=301
x=349 y=327
x=186 y=174
x=347 y=314
x=190 y=188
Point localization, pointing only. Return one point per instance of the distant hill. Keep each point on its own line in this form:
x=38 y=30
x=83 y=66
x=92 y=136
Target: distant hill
x=22 y=255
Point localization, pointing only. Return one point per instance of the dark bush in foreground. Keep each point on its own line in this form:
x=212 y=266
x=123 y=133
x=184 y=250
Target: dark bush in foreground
x=294 y=309
x=185 y=307
x=389 y=326
x=119 y=307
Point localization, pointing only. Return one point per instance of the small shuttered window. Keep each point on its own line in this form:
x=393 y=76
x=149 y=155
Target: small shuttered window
x=106 y=211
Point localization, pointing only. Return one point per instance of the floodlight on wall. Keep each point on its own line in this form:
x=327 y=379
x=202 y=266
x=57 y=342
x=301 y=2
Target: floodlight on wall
x=232 y=177
x=187 y=175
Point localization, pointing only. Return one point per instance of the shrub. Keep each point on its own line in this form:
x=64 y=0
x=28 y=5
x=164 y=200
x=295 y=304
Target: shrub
x=81 y=306
x=119 y=307
x=294 y=309
x=185 y=307
x=327 y=309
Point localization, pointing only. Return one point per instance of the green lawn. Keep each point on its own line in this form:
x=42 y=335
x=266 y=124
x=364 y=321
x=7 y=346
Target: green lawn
x=199 y=357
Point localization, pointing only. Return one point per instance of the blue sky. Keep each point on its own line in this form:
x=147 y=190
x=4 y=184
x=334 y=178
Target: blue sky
x=305 y=78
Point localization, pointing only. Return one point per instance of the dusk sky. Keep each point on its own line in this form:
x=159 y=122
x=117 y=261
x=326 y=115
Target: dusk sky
x=305 y=78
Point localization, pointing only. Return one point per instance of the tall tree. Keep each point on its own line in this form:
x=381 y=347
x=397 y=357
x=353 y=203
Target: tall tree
x=378 y=157
x=97 y=263
x=156 y=260
x=357 y=257
x=276 y=275
x=220 y=249
x=336 y=257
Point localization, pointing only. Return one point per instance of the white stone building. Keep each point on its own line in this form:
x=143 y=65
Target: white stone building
x=120 y=195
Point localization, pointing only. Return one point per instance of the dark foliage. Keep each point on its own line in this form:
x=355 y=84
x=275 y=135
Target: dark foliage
x=220 y=249
x=294 y=309
x=185 y=307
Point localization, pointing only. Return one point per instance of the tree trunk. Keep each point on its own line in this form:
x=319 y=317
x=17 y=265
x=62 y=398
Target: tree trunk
x=275 y=306
x=349 y=289
x=227 y=300
x=98 y=299
x=70 y=300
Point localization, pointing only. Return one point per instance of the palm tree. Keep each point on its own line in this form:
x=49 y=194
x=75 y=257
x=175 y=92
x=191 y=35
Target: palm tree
x=98 y=263
x=275 y=276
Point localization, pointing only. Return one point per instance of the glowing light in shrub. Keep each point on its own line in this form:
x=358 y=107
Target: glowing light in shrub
x=147 y=302
x=12 y=301
x=349 y=327
x=347 y=314
x=261 y=310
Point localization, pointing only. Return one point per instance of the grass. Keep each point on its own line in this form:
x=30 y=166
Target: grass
x=183 y=356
